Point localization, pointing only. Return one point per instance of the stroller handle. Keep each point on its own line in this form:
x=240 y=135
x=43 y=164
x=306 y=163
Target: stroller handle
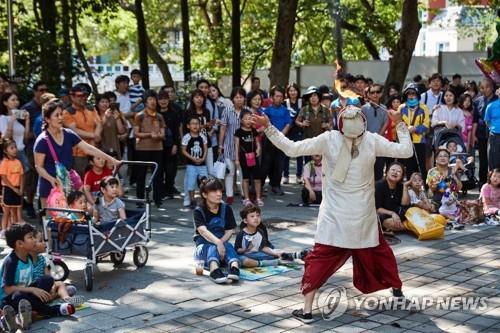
x=144 y=163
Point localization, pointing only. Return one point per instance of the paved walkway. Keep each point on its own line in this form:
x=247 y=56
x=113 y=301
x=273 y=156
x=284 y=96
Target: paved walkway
x=165 y=296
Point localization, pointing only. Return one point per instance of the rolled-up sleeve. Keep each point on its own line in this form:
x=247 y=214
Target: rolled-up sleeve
x=313 y=146
x=403 y=149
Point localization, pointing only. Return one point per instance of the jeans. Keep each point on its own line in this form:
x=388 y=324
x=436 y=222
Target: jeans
x=191 y=177
x=141 y=171
x=46 y=283
x=255 y=256
x=208 y=253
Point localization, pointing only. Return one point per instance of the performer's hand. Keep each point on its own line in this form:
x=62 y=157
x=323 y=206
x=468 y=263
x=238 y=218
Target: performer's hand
x=261 y=120
x=395 y=116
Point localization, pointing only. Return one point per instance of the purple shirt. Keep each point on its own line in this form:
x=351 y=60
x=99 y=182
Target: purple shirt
x=64 y=153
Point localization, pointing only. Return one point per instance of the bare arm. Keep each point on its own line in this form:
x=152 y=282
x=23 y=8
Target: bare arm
x=39 y=166
x=405 y=200
x=209 y=236
x=94 y=151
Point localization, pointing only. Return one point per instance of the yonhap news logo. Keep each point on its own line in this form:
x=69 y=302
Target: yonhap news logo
x=333 y=303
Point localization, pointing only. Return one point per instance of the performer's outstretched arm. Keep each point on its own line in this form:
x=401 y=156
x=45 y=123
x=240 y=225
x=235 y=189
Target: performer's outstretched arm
x=403 y=149
x=312 y=146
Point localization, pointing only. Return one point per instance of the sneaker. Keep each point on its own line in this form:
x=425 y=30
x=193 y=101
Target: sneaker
x=234 y=274
x=299 y=314
x=187 y=203
x=24 y=314
x=71 y=289
x=175 y=191
x=246 y=202
x=260 y=203
x=218 y=276
x=303 y=254
x=2 y=234
x=287 y=256
x=9 y=318
x=76 y=300
x=299 y=180
x=66 y=309
x=158 y=204
x=397 y=292
x=286 y=180
x=193 y=205
x=279 y=191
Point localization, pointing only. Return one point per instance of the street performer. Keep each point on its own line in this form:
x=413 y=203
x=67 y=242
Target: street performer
x=347 y=220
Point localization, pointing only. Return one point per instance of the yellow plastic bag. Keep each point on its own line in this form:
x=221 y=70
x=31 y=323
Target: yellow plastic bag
x=423 y=224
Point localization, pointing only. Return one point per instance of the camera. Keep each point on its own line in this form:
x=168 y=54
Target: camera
x=114 y=106
x=19 y=114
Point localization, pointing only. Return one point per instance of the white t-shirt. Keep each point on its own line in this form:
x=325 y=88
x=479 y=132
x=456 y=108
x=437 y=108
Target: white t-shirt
x=454 y=116
x=18 y=131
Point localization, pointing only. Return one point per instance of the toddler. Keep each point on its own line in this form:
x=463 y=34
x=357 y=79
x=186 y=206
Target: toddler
x=77 y=200
x=252 y=243
x=416 y=192
x=108 y=206
x=490 y=194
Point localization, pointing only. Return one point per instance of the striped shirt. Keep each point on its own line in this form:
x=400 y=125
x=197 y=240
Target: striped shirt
x=135 y=91
x=39 y=267
x=231 y=120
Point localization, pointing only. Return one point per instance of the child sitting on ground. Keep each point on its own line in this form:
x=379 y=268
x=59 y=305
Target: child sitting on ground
x=490 y=195
x=253 y=245
x=93 y=177
x=12 y=174
x=18 y=290
x=109 y=208
x=416 y=192
x=40 y=269
x=313 y=175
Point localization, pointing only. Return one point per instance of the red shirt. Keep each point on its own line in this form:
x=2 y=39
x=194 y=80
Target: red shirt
x=93 y=179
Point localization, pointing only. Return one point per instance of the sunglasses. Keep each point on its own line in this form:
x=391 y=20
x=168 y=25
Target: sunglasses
x=376 y=92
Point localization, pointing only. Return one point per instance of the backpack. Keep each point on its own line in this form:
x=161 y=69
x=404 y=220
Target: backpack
x=440 y=98
x=470 y=211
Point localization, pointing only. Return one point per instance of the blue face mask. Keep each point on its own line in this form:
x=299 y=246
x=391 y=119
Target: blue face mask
x=412 y=102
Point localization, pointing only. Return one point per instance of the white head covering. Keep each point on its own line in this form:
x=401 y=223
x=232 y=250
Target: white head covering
x=352 y=124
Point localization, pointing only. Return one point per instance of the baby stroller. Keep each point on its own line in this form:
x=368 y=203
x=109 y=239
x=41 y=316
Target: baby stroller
x=82 y=239
x=442 y=138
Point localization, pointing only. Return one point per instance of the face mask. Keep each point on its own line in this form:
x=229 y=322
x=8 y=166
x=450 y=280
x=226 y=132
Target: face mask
x=412 y=102
x=353 y=127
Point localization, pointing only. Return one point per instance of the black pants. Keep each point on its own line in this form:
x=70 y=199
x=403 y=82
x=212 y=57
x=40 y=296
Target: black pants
x=482 y=148
x=273 y=161
x=45 y=282
x=379 y=168
x=412 y=164
x=305 y=197
x=141 y=171
x=131 y=157
x=169 y=171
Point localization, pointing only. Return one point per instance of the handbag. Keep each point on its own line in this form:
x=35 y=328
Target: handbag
x=219 y=170
x=62 y=173
x=250 y=157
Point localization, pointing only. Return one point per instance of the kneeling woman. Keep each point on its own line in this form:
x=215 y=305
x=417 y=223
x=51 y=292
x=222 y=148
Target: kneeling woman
x=214 y=225
x=391 y=198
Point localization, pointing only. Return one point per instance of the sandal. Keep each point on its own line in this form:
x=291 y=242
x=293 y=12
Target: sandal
x=247 y=202
x=260 y=203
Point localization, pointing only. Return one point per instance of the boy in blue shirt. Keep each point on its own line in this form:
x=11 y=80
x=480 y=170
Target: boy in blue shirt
x=17 y=290
x=273 y=159
x=492 y=120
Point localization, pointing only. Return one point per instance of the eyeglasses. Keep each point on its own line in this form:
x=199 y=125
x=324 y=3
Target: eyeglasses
x=443 y=155
x=376 y=92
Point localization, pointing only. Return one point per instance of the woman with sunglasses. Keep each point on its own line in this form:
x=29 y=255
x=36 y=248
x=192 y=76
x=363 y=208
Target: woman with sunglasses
x=63 y=140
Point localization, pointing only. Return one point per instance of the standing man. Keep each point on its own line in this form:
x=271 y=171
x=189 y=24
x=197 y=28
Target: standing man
x=256 y=87
x=456 y=85
x=431 y=98
x=479 y=128
x=213 y=147
x=376 y=118
x=86 y=123
x=492 y=119
x=347 y=221
x=34 y=108
x=273 y=159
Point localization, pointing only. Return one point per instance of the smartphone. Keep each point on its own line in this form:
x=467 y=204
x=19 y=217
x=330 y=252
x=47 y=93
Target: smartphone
x=114 y=106
x=19 y=114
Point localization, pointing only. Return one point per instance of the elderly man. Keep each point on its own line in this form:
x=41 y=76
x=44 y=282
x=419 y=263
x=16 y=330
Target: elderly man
x=347 y=220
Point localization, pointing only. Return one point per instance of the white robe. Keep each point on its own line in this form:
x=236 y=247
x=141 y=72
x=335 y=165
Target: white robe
x=347 y=216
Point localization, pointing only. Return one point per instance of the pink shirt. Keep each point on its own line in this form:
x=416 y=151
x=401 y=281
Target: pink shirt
x=467 y=129
x=493 y=194
x=316 y=180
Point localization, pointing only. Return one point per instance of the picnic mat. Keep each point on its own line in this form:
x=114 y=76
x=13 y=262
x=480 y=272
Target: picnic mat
x=58 y=302
x=257 y=273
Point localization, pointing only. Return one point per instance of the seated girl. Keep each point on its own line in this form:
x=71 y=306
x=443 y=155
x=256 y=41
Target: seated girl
x=93 y=177
x=311 y=192
x=214 y=226
x=391 y=198
x=109 y=208
x=490 y=194
x=252 y=243
x=416 y=192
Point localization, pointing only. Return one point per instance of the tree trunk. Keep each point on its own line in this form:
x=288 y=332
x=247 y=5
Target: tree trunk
x=160 y=62
x=50 y=72
x=401 y=55
x=66 y=58
x=142 y=43
x=339 y=42
x=236 y=43
x=79 y=47
x=285 y=27
x=186 y=45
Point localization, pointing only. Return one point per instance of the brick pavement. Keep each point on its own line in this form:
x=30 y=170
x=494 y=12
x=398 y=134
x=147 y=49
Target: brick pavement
x=165 y=296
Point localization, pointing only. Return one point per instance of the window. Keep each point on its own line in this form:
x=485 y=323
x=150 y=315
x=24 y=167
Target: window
x=126 y=68
x=100 y=69
x=177 y=36
x=109 y=68
x=444 y=46
x=118 y=68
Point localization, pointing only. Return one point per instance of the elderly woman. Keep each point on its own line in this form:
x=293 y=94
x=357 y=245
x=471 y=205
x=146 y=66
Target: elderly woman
x=442 y=177
x=391 y=197
x=347 y=220
x=63 y=140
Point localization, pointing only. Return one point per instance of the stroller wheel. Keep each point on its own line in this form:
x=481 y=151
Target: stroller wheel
x=117 y=257
x=89 y=277
x=141 y=255
x=59 y=271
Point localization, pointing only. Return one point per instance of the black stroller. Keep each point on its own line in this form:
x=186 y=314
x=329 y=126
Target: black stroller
x=442 y=136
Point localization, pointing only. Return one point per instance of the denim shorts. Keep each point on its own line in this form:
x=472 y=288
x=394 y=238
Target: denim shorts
x=192 y=174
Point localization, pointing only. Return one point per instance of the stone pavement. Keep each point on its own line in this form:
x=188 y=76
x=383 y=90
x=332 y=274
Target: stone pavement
x=166 y=296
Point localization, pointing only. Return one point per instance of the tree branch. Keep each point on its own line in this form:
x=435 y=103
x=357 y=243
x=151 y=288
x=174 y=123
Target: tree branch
x=204 y=12
x=243 y=7
x=254 y=63
x=367 y=5
x=228 y=13
x=370 y=47
x=127 y=6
